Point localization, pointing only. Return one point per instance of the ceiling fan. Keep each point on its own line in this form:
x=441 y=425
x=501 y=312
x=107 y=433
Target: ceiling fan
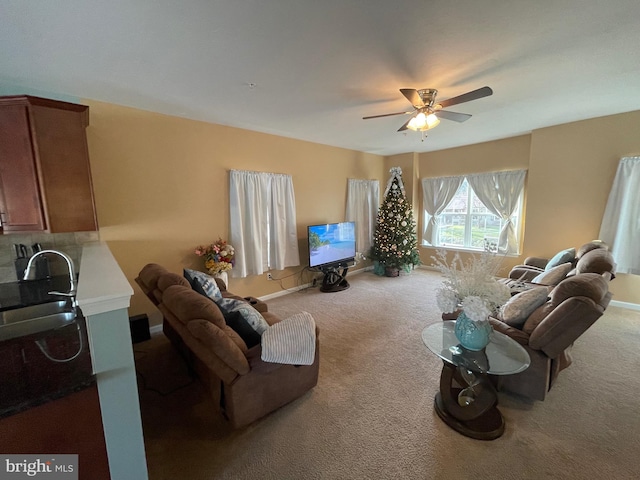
x=427 y=112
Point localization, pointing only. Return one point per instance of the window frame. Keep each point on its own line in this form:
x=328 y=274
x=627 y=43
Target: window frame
x=468 y=222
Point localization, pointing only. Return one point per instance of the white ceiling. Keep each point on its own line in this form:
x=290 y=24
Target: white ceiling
x=319 y=66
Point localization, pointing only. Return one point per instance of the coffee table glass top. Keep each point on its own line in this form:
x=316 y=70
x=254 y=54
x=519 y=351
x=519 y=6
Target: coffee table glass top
x=503 y=355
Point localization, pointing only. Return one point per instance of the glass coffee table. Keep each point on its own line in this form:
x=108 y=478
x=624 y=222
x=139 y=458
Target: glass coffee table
x=467 y=400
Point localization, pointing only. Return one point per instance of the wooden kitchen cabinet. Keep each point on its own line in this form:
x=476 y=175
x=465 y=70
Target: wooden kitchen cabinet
x=45 y=177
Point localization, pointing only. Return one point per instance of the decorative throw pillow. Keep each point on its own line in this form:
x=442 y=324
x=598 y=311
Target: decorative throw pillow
x=561 y=257
x=239 y=325
x=203 y=283
x=516 y=311
x=553 y=276
x=237 y=311
x=291 y=341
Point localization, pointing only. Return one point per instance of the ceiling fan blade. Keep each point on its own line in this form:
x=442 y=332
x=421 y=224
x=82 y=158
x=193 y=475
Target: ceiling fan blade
x=386 y=115
x=467 y=97
x=456 y=117
x=412 y=95
x=404 y=127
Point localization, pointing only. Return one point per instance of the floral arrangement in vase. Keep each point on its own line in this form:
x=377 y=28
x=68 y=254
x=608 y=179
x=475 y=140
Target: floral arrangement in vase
x=472 y=290
x=218 y=257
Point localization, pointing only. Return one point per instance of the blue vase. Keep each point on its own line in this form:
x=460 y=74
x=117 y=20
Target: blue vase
x=472 y=335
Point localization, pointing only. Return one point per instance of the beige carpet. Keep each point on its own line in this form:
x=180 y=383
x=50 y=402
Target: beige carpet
x=371 y=415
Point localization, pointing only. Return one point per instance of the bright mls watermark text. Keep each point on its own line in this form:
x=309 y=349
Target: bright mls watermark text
x=50 y=467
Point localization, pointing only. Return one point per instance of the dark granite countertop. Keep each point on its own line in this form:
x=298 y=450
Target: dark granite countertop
x=27 y=377
x=32 y=292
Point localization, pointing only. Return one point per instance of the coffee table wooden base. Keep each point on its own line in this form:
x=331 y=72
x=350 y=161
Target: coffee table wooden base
x=487 y=427
x=481 y=419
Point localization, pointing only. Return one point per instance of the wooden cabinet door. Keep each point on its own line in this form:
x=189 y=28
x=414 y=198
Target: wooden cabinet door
x=19 y=191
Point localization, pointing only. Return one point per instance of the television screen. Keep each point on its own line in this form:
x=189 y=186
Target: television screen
x=332 y=243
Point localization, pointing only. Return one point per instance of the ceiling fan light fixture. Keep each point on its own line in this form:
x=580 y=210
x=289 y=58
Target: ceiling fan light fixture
x=422 y=122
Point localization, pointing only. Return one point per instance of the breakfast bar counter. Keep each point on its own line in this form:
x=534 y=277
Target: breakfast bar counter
x=103 y=296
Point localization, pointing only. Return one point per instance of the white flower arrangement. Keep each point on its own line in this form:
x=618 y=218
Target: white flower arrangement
x=471 y=286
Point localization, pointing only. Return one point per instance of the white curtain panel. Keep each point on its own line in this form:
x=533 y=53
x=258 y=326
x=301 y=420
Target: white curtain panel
x=363 y=198
x=262 y=222
x=283 y=237
x=620 y=226
x=499 y=192
x=436 y=195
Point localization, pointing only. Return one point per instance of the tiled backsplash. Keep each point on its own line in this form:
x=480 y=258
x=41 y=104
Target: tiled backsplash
x=69 y=243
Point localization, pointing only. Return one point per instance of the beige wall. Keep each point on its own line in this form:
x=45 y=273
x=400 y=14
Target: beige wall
x=161 y=187
x=571 y=170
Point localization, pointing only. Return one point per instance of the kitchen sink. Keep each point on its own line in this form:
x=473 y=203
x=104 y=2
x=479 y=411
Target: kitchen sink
x=35 y=319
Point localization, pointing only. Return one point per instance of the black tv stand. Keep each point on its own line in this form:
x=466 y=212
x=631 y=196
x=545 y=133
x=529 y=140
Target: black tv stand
x=333 y=280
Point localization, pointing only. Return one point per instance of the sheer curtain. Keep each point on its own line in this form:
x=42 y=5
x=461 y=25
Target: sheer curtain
x=262 y=215
x=436 y=195
x=363 y=197
x=499 y=192
x=620 y=226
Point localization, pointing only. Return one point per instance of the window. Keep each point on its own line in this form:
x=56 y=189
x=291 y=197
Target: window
x=466 y=222
x=488 y=217
x=262 y=214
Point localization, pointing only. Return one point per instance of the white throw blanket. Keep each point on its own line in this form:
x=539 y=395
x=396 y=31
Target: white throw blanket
x=291 y=341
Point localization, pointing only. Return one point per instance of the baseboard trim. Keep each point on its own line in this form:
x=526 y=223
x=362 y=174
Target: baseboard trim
x=627 y=305
x=304 y=286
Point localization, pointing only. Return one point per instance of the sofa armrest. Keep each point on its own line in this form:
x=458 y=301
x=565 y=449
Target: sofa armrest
x=511 y=332
x=256 y=365
x=538 y=262
x=524 y=273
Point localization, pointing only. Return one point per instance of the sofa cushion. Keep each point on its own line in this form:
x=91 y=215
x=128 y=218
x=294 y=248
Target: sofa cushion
x=537 y=316
x=187 y=304
x=291 y=341
x=599 y=261
x=221 y=343
x=590 y=285
x=563 y=256
x=516 y=311
x=168 y=279
x=593 y=245
x=553 y=276
x=243 y=328
x=150 y=274
x=248 y=316
x=203 y=283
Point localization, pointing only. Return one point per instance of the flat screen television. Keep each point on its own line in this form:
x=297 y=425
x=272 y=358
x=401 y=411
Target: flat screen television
x=331 y=244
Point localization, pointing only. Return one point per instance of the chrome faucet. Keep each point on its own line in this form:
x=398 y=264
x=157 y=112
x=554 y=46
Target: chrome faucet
x=30 y=274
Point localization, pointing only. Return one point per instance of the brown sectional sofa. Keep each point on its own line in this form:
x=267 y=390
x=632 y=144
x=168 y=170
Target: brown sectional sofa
x=243 y=387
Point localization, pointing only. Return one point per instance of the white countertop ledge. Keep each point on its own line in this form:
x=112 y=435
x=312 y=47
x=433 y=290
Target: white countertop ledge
x=102 y=286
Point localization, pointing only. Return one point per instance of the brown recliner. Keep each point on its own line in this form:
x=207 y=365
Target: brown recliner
x=592 y=257
x=549 y=332
x=243 y=387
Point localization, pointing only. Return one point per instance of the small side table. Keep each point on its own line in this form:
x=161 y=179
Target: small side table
x=467 y=400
